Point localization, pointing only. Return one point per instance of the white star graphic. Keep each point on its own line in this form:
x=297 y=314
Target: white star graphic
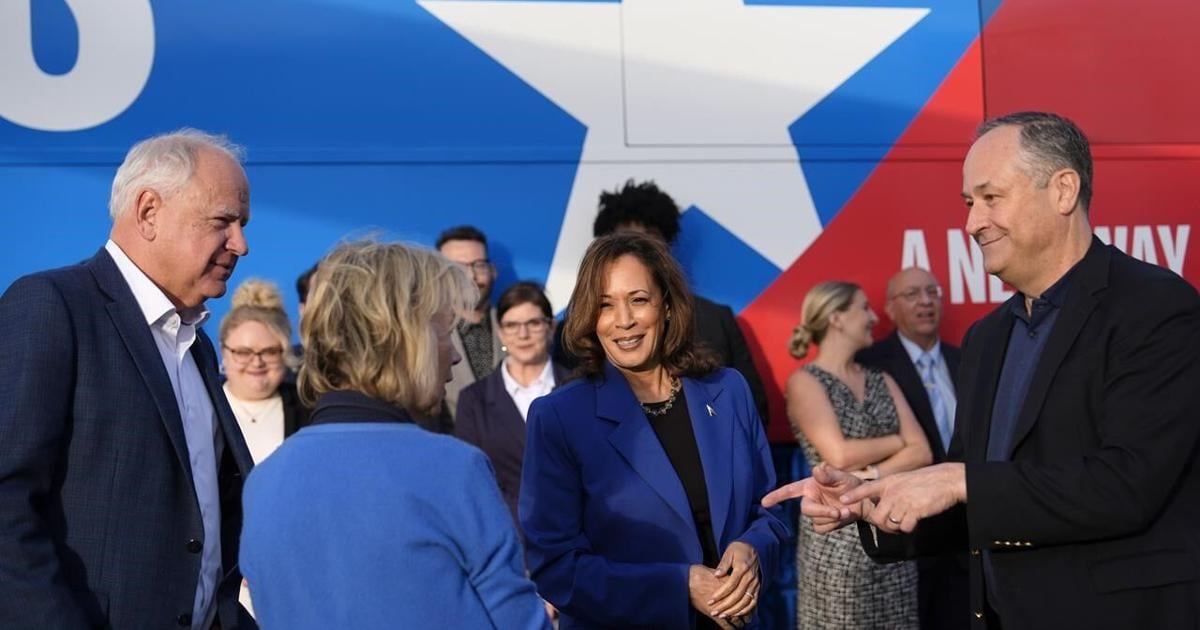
x=697 y=95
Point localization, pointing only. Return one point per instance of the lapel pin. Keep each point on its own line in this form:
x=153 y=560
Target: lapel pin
x=711 y=413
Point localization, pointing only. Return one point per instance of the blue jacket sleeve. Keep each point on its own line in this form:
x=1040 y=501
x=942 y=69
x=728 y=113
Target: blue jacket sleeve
x=766 y=529
x=568 y=574
x=37 y=358
x=493 y=553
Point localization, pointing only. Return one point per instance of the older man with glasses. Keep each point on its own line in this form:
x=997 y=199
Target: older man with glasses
x=925 y=368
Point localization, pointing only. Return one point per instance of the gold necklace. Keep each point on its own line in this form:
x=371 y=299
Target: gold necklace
x=661 y=409
x=265 y=408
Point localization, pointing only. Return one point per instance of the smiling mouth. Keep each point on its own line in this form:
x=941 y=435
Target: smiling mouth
x=986 y=243
x=629 y=343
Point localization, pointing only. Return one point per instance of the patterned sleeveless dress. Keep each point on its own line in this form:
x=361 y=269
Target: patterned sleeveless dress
x=839 y=586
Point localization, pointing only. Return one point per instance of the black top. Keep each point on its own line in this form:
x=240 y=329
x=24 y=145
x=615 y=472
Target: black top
x=674 y=431
x=348 y=406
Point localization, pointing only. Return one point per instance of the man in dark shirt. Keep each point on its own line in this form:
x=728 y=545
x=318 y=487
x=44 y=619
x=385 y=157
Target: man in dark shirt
x=1073 y=478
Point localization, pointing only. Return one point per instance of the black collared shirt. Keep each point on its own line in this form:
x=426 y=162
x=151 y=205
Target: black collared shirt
x=1030 y=330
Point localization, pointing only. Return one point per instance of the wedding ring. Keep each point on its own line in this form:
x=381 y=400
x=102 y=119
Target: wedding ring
x=893 y=521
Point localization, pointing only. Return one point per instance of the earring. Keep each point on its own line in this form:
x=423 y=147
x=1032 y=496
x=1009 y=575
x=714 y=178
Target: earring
x=503 y=348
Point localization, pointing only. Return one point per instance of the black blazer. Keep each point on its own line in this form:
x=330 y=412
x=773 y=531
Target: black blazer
x=100 y=522
x=488 y=418
x=717 y=329
x=1093 y=521
x=295 y=414
x=889 y=355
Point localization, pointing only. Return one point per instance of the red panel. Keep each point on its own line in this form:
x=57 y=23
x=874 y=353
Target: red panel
x=1137 y=188
x=1124 y=70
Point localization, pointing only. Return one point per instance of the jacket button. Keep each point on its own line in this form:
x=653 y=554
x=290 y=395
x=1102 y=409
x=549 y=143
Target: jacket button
x=194 y=546
x=974 y=552
x=978 y=615
x=184 y=619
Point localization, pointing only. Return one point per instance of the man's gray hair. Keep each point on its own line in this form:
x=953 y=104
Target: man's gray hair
x=164 y=163
x=1050 y=143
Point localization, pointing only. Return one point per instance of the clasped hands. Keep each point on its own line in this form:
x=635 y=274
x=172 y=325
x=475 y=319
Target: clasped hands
x=727 y=594
x=833 y=499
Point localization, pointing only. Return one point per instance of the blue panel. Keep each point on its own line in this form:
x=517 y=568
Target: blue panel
x=720 y=266
x=55 y=36
x=874 y=107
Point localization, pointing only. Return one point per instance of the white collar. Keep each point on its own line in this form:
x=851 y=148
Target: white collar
x=155 y=304
x=915 y=352
x=545 y=379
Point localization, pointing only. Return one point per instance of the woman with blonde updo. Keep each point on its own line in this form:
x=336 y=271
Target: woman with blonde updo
x=255 y=354
x=854 y=419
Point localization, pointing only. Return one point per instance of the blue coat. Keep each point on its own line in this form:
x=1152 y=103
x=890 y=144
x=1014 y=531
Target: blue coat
x=98 y=516
x=364 y=525
x=609 y=532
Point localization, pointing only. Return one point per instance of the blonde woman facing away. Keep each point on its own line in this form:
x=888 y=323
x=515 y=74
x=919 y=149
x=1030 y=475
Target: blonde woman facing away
x=855 y=419
x=363 y=519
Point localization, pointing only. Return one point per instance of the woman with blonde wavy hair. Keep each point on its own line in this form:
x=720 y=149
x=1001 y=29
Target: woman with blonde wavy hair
x=363 y=519
x=255 y=356
x=854 y=419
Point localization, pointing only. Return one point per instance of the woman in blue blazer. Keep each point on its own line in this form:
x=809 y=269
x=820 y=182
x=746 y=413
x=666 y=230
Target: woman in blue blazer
x=641 y=484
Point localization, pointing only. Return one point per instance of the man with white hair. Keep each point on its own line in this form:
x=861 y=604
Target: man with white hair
x=121 y=464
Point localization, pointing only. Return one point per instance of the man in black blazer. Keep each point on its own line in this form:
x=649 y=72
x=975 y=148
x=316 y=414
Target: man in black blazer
x=647 y=209
x=1074 y=478
x=121 y=463
x=925 y=368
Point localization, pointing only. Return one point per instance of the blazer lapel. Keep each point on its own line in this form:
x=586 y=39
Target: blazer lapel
x=131 y=325
x=1077 y=307
x=503 y=411
x=206 y=360
x=712 y=423
x=635 y=440
x=911 y=383
x=990 y=346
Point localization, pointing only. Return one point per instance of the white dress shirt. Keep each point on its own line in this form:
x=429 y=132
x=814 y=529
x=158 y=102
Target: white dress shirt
x=524 y=395
x=943 y=381
x=174 y=333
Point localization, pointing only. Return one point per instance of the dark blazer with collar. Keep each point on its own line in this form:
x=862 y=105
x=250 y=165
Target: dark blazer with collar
x=488 y=418
x=98 y=513
x=609 y=532
x=888 y=354
x=942 y=596
x=1092 y=522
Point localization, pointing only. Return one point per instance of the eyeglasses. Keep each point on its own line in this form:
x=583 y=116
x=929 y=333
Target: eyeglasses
x=481 y=267
x=244 y=355
x=933 y=291
x=534 y=326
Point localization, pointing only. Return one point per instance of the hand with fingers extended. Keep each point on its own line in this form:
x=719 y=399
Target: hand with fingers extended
x=737 y=596
x=821 y=498
x=902 y=500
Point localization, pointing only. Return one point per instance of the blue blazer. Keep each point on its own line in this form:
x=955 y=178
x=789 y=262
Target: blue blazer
x=609 y=531
x=488 y=419
x=99 y=522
